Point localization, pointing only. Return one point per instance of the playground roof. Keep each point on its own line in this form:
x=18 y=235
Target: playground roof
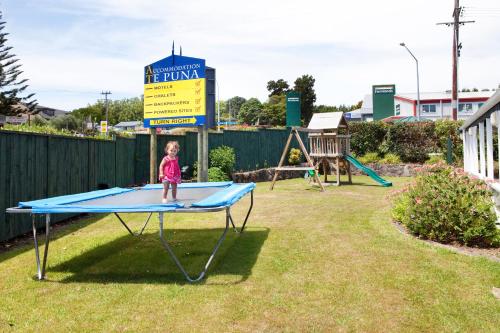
x=327 y=120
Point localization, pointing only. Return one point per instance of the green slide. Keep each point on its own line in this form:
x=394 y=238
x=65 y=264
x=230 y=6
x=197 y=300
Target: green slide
x=368 y=171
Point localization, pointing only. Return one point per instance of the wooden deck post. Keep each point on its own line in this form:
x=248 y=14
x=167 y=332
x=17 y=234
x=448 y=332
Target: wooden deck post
x=349 y=174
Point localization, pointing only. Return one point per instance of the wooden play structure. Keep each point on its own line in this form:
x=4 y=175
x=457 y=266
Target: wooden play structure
x=328 y=148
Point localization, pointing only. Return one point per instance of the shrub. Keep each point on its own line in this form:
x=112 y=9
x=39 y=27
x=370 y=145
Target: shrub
x=446 y=128
x=39 y=121
x=367 y=136
x=223 y=158
x=411 y=141
x=435 y=158
x=369 y=158
x=215 y=174
x=67 y=121
x=446 y=205
x=391 y=159
x=295 y=156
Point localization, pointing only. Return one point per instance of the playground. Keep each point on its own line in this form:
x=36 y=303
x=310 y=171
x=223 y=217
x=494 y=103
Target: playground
x=318 y=261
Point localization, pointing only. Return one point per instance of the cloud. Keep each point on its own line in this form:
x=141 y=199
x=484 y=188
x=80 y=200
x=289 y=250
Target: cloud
x=347 y=46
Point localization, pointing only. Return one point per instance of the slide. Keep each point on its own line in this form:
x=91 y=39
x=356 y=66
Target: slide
x=368 y=171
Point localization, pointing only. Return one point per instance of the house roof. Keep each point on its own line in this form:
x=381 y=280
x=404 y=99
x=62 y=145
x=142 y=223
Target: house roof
x=327 y=120
x=128 y=124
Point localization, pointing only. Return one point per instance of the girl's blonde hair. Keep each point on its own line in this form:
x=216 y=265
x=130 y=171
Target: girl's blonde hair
x=172 y=144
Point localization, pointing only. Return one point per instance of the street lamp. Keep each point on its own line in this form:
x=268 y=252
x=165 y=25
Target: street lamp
x=418 y=84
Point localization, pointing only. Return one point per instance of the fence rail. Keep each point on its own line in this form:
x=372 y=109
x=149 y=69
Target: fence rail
x=35 y=166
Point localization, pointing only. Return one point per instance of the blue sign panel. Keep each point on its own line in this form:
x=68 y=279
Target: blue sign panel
x=175 y=92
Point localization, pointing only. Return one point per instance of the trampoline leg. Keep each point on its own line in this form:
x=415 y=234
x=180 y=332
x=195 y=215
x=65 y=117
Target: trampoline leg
x=41 y=268
x=130 y=231
x=209 y=261
x=246 y=218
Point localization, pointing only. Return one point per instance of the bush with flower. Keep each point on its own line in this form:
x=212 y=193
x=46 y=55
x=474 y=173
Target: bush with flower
x=446 y=205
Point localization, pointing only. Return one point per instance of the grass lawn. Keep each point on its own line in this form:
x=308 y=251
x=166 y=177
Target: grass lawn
x=309 y=261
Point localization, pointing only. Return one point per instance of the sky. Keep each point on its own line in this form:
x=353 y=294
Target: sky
x=72 y=50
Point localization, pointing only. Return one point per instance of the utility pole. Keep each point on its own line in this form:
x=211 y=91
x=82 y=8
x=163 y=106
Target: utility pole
x=457 y=12
x=106 y=93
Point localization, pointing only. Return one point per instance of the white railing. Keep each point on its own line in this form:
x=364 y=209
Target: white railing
x=477 y=138
x=345 y=144
x=329 y=145
x=478 y=156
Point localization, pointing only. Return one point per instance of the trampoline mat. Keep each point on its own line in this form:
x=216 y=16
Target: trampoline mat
x=187 y=196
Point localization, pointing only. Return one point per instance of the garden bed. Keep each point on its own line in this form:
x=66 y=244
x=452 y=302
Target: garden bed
x=490 y=253
x=391 y=170
x=265 y=175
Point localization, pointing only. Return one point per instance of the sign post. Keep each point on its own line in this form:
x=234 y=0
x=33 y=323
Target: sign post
x=153 y=161
x=175 y=95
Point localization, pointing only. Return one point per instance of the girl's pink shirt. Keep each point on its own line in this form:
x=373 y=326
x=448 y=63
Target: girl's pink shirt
x=171 y=170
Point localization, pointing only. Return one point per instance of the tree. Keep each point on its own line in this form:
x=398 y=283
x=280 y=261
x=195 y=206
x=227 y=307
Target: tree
x=11 y=86
x=325 y=108
x=222 y=109
x=233 y=106
x=128 y=109
x=279 y=87
x=250 y=111
x=67 y=121
x=274 y=111
x=334 y=108
x=93 y=112
x=358 y=105
x=305 y=86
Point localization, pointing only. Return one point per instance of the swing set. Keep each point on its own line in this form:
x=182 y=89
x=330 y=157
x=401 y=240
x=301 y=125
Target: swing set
x=328 y=148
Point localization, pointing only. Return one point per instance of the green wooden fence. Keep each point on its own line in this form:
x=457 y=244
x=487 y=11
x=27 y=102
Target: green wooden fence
x=35 y=166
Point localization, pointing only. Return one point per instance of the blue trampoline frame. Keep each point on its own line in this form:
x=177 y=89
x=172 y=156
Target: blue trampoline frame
x=222 y=200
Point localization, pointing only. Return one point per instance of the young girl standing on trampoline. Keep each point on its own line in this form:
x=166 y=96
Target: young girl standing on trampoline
x=170 y=173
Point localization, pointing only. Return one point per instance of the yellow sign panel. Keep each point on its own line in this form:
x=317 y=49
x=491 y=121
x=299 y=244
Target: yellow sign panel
x=173 y=121
x=174 y=99
x=104 y=126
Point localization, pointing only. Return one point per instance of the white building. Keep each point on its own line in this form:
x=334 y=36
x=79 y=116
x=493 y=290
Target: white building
x=365 y=113
x=436 y=105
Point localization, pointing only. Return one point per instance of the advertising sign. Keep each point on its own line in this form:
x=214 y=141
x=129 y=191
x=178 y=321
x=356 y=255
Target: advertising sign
x=175 y=92
x=383 y=101
x=104 y=126
x=293 y=109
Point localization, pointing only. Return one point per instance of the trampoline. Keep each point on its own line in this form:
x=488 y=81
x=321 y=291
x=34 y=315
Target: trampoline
x=191 y=198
